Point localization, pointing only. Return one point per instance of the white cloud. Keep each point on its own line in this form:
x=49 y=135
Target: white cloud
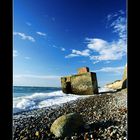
x=121 y=12
x=71 y=55
x=54 y=46
x=63 y=49
x=28 y=23
x=96 y=44
x=15 y=53
x=99 y=49
x=75 y=53
x=106 y=50
x=111 y=16
x=27 y=57
x=114 y=15
x=81 y=53
x=114 y=50
x=40 y=33
x=119 y=26
x=96 y=62
x=24 y=37
x=119 y=23
x=117 y=70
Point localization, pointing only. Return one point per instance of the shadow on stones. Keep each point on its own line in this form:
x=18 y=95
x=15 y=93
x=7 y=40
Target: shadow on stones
x=107 y=92
x=97 y=125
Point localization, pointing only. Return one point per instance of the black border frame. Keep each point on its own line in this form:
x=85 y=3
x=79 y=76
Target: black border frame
x=6 y=69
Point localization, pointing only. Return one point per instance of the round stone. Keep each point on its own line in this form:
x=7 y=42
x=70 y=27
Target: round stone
x=67 y=124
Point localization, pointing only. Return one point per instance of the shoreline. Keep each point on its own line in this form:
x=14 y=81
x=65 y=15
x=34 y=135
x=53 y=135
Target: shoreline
x=17 y=111
x=101 y=112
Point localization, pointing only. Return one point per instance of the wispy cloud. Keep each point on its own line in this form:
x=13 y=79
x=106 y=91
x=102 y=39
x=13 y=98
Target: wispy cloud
x=110 y=16
x=81 y=53
x=63 y=49
x=15 y=53
x=54 y=46
x=28 y=23
x=114 y=50
x=78 y=53
x=40 y=33
x=71 y=55
x=27 y=57
x=118 y=22
x=24 y=37
x=116 y=14
x=60 y=48
x=98 y=49
x=119 y=26
x=106 y=50
x=96 y=62
x=116 y=70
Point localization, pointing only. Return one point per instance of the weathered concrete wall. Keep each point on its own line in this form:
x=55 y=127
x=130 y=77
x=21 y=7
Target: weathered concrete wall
x=84 y=84
x=65 y=84
x=80 y=84
x=83 y=70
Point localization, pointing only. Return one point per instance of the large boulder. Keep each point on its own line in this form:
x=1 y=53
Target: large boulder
x=67 y=124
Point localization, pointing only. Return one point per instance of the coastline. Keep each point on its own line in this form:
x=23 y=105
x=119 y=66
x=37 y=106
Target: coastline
x=104 y=115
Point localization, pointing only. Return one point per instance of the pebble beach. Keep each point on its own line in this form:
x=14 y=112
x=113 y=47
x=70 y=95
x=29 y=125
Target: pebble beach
x=105 y=117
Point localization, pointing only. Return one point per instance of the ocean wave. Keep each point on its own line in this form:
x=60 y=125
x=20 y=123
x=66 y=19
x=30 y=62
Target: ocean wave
x=105 y=89
x=40 y=100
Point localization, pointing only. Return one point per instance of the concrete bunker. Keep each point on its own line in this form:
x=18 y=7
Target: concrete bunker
x=83 y=83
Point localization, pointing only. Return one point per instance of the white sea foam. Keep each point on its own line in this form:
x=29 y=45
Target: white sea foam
x=105 y=89
x=39 y=100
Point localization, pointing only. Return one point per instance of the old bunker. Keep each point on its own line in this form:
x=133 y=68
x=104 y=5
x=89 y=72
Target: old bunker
x=83 y=83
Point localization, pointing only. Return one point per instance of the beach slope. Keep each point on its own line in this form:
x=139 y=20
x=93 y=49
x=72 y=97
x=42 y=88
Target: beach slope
x=105 y=117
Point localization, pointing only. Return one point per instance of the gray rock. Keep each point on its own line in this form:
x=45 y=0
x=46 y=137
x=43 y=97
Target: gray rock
x=67 y=124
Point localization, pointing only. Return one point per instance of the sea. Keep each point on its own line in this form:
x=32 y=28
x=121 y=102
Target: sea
x=30 y=97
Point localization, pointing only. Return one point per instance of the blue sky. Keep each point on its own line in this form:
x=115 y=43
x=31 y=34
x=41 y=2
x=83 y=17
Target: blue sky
x=53 y=38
